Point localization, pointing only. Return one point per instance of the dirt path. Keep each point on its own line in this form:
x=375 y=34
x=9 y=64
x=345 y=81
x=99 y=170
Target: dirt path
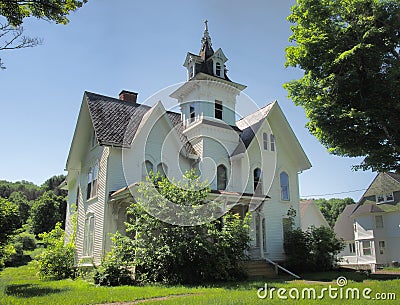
x=168 y=297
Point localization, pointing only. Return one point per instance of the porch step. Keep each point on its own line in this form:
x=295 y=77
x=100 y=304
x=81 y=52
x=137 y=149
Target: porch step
x=259 y=268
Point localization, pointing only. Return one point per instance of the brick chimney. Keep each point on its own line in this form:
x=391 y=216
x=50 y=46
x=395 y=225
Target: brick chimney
x=128 y=96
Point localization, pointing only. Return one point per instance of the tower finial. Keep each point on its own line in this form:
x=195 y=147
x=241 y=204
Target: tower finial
x=206 y=36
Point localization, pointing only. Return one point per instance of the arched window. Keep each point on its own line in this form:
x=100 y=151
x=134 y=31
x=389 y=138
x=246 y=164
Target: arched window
x=162 y=169
x=272 y=137
x=257 y=181
x=265 y=141
x=88 y=235
x=285 y=192
x=89 y=184
x=221 y=177
x=218 y=69
x=147 y=169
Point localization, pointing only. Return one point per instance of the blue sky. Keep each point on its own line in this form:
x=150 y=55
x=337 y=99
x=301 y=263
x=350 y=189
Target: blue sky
x=140 y=46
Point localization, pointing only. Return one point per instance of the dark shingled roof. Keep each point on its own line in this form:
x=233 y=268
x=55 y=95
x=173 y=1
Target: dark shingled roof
x=249 y=126
x=116 y=122
x=394 y=176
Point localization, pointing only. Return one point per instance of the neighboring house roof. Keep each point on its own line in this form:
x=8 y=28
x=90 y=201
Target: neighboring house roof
x=366 y=209
x=309 y=208
x=344 y=224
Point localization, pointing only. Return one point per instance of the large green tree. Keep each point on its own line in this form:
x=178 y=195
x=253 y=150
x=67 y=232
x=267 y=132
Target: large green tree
x=332 y=208
x=9 y=222
x=14 y=11
x=46 y=211
x=349 y=51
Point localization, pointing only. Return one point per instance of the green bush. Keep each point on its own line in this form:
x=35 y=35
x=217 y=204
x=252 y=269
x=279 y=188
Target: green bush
x=58 y=259
x=117 y=267
x=27 y=240
x=312 y=250
x=161 y=252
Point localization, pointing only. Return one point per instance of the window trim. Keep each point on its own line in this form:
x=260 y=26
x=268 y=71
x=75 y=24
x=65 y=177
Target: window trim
x=284 y=188
x=272 y=142
x=388 y=197
x=218 y=69
x=366 y=248
x=224 y=178
x=257 y=186
x=92 y=181
x=265 y=141
x=88 y=237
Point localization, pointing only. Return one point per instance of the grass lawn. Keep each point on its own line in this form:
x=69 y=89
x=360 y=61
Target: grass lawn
x=21 y=286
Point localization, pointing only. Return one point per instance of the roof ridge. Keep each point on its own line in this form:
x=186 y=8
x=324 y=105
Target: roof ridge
x=257 y=111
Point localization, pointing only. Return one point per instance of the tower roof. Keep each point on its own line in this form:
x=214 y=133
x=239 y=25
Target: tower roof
x=206 y=50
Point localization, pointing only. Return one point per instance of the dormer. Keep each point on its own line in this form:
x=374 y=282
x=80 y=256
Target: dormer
x=219 y=59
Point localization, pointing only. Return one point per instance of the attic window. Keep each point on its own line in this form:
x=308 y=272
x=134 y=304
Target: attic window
x=192 y=70
x=272 y=138
x=382 y=198
x=265 y=141
x=218 y=69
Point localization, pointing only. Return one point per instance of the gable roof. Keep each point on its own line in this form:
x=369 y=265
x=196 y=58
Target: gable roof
x=383 y=183
x=249 y=126
x=344 y=224
x=307 y=206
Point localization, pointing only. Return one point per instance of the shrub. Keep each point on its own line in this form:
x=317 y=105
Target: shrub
x=313 y=250
x=27 y=240
x=171 y=254
x=116 y=268
x=58 y=259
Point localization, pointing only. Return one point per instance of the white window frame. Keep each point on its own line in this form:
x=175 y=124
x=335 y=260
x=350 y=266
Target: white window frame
x=218 y=110
x=383 y=198
x=272 y=140
x=285 y=188
x=92 y=181
x=265 y=141
x=352 y=247
x=382 y=246
x=222 y=179
x=88 y=235
x=366 y=248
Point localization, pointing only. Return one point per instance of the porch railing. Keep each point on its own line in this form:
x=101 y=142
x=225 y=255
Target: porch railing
x=282 y=268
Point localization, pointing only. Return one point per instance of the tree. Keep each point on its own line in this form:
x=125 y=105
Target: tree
x=158 y=251
x=53 y=183
x=24 y=206
x=332 y=208
x=46 y=212
x=11 y=31
x=9 y=222
x=350 y=90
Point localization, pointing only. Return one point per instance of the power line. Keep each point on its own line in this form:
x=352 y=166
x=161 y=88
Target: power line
x=320 y=195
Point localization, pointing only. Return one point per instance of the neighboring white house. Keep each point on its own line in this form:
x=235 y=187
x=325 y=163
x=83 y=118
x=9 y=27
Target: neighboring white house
x=310 y=215
x=371 y=228
x=252 y=164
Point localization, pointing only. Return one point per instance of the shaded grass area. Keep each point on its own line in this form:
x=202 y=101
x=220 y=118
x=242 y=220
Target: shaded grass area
x=20 y=286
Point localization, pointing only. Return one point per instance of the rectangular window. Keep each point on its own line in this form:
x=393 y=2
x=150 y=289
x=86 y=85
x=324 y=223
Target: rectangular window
x=93 y=139
x=352 y=247
x=381 y=246
x=382 y=198
x=272 y=137
x=88 y=235
x=218 y=110
x=265 y=141
x=366 y=247
x=379 y=221
x=91 y=190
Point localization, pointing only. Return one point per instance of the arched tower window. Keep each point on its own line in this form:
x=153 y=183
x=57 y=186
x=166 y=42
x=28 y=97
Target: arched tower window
x=221 y=177
x=285 y=192
x=257 y=181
